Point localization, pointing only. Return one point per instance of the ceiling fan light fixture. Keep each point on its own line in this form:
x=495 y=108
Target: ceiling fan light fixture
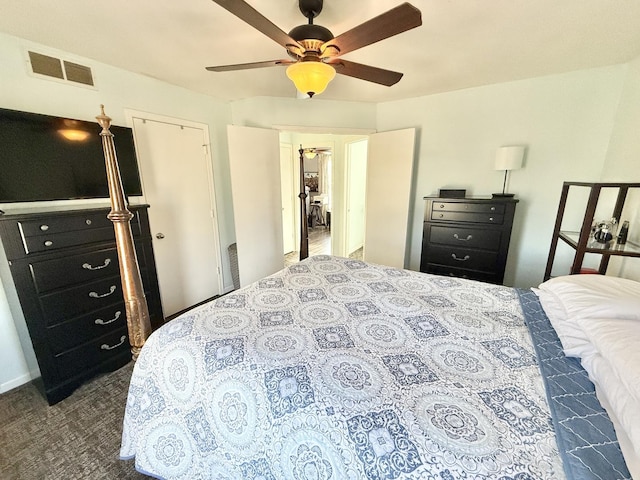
x=311 y=76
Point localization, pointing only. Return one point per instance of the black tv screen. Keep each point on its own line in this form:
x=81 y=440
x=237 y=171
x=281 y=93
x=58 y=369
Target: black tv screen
x=46 y=158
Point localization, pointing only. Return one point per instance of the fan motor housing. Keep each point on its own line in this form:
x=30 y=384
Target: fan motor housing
x=311 y=32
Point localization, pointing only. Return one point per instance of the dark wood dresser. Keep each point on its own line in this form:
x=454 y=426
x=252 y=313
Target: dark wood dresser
x=467 y=237
x=65 y=269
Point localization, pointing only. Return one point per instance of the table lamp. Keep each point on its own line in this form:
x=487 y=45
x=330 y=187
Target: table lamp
x=508 y=158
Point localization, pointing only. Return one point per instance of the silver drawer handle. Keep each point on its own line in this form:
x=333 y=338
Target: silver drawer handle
x=469 y=237
x=48 y=243
x=44 y=228
x=99 y=321
x=104 y=346
x=88 y=266
x=463 y=259
x=112 y=289
x=491 y=219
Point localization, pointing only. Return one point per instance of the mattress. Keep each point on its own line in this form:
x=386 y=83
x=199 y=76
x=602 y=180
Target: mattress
x=337 y=368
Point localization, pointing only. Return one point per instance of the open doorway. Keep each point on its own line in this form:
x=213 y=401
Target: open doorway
x=390 y=157
x=331 y=186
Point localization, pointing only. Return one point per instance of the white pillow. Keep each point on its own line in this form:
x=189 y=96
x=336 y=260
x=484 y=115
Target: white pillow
x=620 y=403
x=572 y=337
x=596 y=296
x=618 y=341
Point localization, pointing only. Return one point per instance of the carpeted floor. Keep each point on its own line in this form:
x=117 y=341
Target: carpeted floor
x=78 y=438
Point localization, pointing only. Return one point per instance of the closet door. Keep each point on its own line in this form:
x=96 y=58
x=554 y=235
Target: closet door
x=254 y=160
x=177 y=180
x=389 y=174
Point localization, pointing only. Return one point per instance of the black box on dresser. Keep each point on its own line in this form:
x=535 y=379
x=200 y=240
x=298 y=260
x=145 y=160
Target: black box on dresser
x=65 y=268
x=467 y=237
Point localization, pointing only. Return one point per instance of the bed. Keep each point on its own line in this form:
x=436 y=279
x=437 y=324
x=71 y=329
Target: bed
x=337 y=368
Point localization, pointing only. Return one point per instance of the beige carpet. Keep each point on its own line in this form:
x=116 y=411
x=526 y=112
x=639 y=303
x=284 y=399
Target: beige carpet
x=78 y=438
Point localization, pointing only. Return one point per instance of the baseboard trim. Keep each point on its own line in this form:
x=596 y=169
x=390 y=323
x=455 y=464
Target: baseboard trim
x=18 y=381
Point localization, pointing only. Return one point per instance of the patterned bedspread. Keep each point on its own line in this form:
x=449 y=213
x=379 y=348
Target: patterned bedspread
x=339 y=369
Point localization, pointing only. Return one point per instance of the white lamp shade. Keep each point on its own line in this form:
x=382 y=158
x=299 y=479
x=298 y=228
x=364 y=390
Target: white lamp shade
x=509 y=158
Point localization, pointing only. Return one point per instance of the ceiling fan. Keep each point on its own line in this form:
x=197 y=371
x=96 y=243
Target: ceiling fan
x=315 y=52
x=311 y=152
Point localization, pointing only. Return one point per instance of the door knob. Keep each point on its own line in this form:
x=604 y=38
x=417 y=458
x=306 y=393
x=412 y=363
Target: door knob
x=159 y=236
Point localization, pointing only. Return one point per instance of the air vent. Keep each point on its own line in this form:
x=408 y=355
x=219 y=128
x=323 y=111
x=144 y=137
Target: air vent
x=61 y=69
x=78 y=73
x=45 y=65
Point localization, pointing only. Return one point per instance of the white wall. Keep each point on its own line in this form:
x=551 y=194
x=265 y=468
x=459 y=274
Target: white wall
x=623 y=163
x=117 y=90
x=565 y=121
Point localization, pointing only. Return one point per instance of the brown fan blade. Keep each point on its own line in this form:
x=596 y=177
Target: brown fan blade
x=397 y=20
x=365 y=72
x=246 y=66
x=250 y=15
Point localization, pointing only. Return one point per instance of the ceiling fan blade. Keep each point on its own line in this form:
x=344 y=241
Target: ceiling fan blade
x=250 y=15
x=397 y=20
x=365 y=72
x=246 y=66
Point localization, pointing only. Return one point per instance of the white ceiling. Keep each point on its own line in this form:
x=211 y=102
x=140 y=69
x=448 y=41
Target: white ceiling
x=461 y=44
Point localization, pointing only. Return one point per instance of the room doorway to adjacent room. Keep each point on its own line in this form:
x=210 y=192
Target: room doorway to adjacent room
x=388 y=192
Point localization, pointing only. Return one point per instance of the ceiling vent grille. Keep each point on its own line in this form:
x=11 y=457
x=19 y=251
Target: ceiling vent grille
x=60 y=69
x=78 y=73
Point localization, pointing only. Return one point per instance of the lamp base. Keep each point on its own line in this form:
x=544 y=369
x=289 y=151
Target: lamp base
x=502 y=195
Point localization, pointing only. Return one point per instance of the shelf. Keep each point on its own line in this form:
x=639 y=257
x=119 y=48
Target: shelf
x=585 y=243
x=629 y=249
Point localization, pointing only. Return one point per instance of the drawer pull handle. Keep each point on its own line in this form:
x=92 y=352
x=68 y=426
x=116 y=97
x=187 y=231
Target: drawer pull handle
x=99 y=321
x=469 y=237
x=88 y=222
x=493 y=209
x=48 y=243
x=104 y=346
x=112 y=289
x=88 y=266
x=491 y=219
x=44 y=228
x=463 y=259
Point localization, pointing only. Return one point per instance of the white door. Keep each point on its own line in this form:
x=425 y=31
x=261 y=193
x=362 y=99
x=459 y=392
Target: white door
x=254 y=161
x=389 y=172
x=356 y=167
x=178 y=185
x=288 y=204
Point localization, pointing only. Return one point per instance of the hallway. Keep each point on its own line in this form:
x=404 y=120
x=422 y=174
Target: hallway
x=319 y=244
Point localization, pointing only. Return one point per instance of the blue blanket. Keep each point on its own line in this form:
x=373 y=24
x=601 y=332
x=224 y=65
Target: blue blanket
x=584 y=433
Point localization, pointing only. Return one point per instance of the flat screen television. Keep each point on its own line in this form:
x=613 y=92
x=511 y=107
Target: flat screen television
x=46 y=158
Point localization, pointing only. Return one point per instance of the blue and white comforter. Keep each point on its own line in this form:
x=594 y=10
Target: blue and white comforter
x=339 y=369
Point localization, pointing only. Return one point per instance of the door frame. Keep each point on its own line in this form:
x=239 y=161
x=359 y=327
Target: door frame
x=130 y=114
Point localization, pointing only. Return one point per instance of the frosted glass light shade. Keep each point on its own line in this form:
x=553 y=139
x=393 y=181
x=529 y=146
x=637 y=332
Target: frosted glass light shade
x=509 y=158
x=311 y=77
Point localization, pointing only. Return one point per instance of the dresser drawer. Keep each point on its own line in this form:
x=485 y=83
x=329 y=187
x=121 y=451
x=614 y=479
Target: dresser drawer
x=89 y=355
x=73 y=302
x=83 y=268
x=64 y=223
x=469 y=207
x=462 y=273
x=465 y=217
x=464 y=237
x=462 y=257
x=69 y=334
x=54 y=241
